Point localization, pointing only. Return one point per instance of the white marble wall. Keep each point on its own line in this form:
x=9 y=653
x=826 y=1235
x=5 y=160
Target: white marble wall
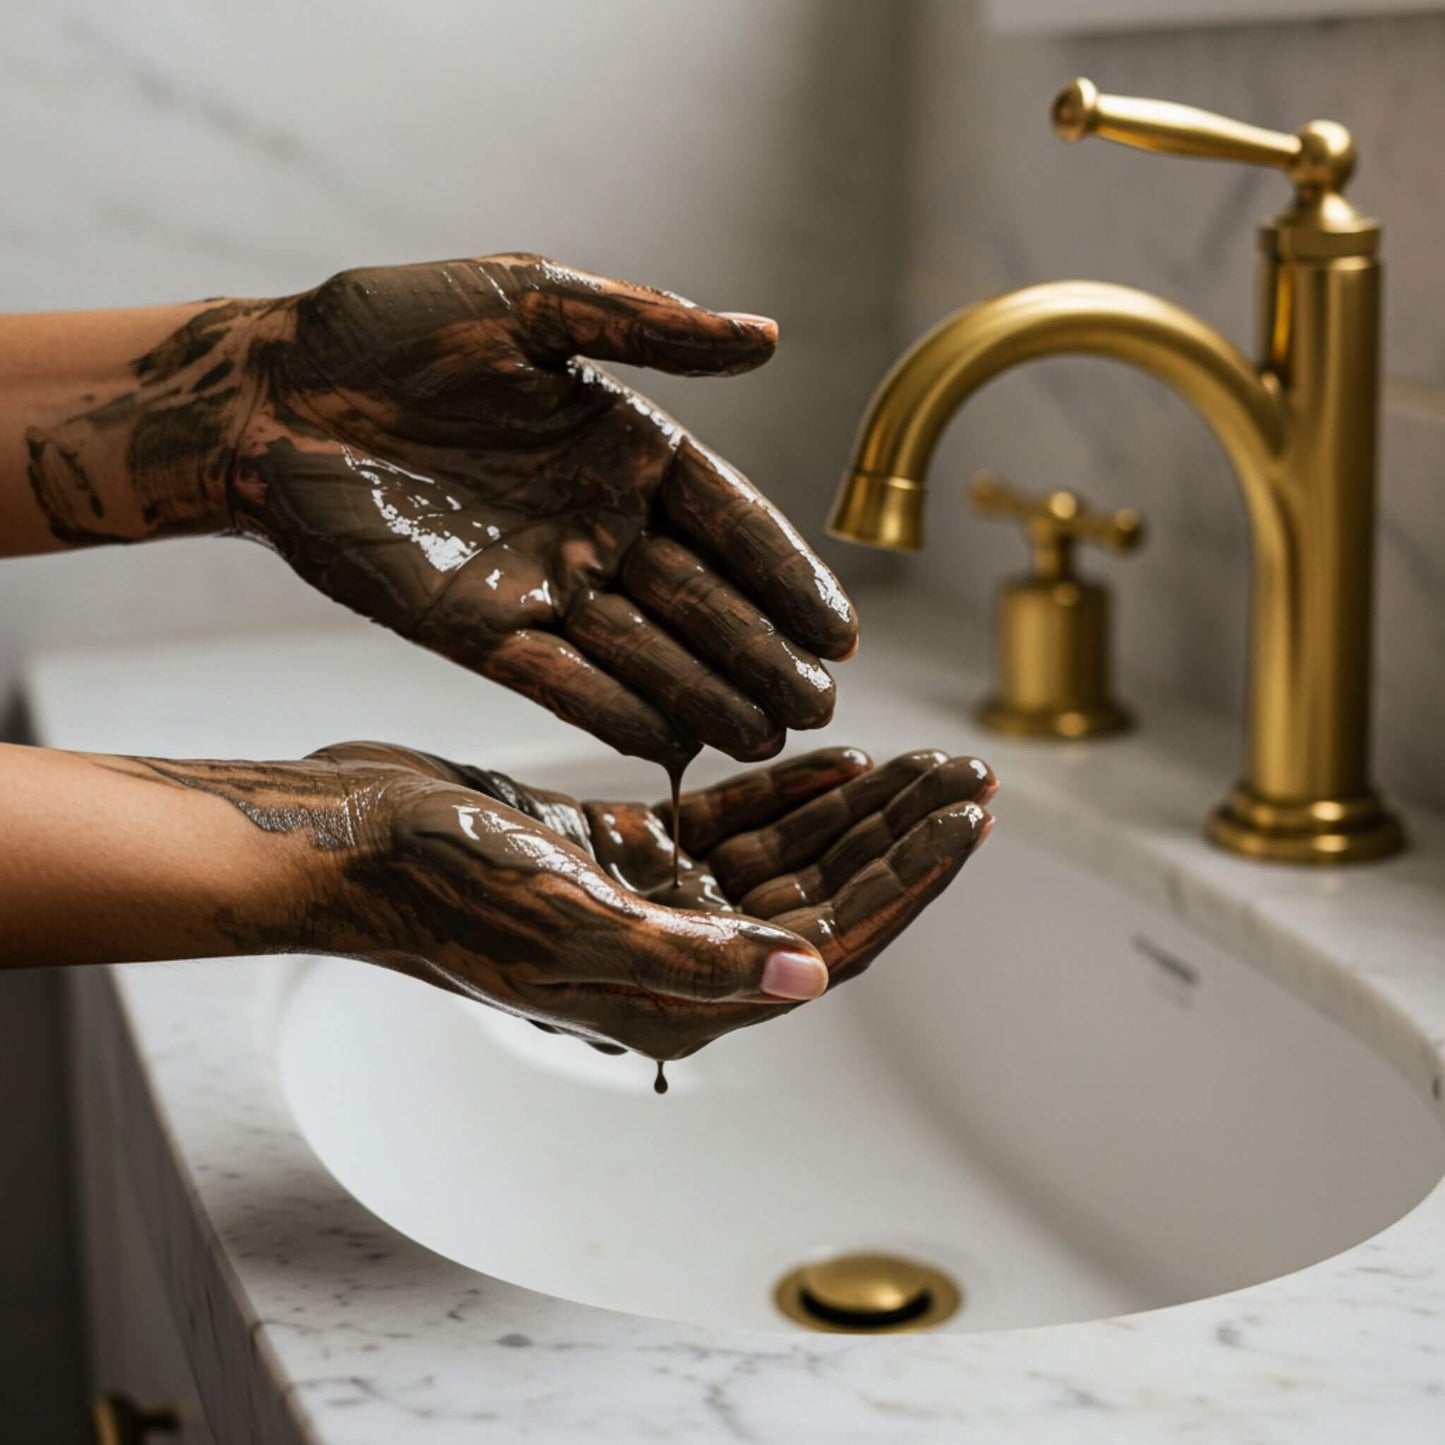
x=996 y=202
x=162 y=150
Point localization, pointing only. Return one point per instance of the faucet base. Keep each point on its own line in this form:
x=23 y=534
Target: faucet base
x=1348 y=830
x=1070 y=723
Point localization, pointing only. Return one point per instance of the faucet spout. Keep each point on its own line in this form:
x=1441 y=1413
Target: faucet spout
x=1300 y=432
x=882 y=496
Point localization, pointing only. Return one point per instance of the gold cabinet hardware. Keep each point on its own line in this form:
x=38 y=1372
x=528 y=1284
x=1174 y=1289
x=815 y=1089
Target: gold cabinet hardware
x=119 y=1420
x=1299 y=428
x=1052 y=657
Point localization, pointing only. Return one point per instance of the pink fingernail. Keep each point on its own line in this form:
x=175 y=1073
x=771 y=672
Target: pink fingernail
x=748 y=318
x=794 y=975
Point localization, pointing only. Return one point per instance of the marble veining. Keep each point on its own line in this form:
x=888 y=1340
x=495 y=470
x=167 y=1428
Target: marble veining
x=309 y=1320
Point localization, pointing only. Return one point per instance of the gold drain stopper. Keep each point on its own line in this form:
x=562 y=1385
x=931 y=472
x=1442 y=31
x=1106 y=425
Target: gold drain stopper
x=867 y=1294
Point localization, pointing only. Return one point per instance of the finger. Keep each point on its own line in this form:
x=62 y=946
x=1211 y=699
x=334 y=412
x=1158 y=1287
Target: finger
x=804 y=835
x=716 y=507
x=718 y=622
x=758 y=796
x=958 y=780
x=640 y=654
x=629 y=949
x=724 y=958
x=880 y=901
x=566 y=312
x=549 y=670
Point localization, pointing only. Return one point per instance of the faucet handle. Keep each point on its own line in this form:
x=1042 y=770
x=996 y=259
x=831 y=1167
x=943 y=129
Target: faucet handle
x=1052 y=659
x=1055 y=521
x=1318 y=157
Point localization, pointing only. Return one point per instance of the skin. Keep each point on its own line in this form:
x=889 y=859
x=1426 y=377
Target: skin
x=427 y=445
x=436 y=447
x=794 y=877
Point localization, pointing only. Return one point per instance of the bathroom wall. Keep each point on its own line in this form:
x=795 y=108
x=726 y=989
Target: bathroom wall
x=995 y=201
x=161 y=149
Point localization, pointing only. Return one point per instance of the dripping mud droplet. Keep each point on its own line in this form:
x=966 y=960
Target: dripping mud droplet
x=659 y=1084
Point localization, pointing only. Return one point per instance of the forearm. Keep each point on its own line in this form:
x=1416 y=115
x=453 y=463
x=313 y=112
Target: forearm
x=113 y=860
x=115 y=425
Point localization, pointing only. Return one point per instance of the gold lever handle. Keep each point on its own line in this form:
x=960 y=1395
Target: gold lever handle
x=1318 y=157
x=1055 y=518
x=118 y=1420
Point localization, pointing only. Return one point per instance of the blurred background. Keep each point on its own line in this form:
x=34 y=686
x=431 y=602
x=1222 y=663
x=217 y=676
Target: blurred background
x=853 y=167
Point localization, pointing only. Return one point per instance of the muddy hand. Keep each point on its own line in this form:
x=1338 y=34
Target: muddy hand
x=794 y=876
x=426 y=445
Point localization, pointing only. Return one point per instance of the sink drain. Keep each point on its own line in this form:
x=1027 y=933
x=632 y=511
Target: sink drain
x=867 y=1294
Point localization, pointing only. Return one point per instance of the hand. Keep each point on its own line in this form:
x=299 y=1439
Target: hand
x=795 y=876
x=423 y=444
x=425 y=447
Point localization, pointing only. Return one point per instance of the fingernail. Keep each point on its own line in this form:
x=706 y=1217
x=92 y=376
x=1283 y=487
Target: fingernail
x=748 y=318
x=794 y=975
x=979 y=822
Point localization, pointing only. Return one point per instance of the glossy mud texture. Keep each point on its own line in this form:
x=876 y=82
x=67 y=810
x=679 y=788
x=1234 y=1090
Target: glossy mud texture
x=424 y=444
x=564 y=911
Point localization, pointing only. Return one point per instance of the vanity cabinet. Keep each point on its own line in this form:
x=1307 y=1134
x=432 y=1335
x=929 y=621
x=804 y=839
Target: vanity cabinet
x=133 y=1344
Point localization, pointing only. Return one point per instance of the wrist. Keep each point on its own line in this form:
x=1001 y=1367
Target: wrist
x=287 y=886
x=142 y=445
x=252 y=856
x=278 y=893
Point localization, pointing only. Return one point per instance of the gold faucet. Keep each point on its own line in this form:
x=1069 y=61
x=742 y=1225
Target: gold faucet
x=1299 y=430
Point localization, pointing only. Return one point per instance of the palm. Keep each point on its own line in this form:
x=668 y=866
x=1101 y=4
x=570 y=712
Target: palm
x=557 y=909
x=428 y=450
x=418 y=532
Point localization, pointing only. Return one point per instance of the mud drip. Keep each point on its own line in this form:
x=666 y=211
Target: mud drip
x=674 y=778
x=659 y=1084
x=692 y=888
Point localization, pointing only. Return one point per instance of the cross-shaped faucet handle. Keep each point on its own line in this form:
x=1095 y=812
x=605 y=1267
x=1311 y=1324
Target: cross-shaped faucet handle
x=1054 y=521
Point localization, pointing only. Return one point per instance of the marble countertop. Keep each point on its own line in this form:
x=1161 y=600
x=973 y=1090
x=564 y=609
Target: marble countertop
x=309 y=1320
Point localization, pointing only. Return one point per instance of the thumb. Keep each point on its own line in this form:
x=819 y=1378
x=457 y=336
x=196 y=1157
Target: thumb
x=566 y=312
x=716 y=957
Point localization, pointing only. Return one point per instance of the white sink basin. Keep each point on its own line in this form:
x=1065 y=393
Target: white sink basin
x=1052 y=1090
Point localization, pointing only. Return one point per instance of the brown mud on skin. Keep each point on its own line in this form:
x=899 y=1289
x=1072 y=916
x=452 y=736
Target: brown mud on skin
x=152 y=460
x=426 y=445
x=549 y=907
